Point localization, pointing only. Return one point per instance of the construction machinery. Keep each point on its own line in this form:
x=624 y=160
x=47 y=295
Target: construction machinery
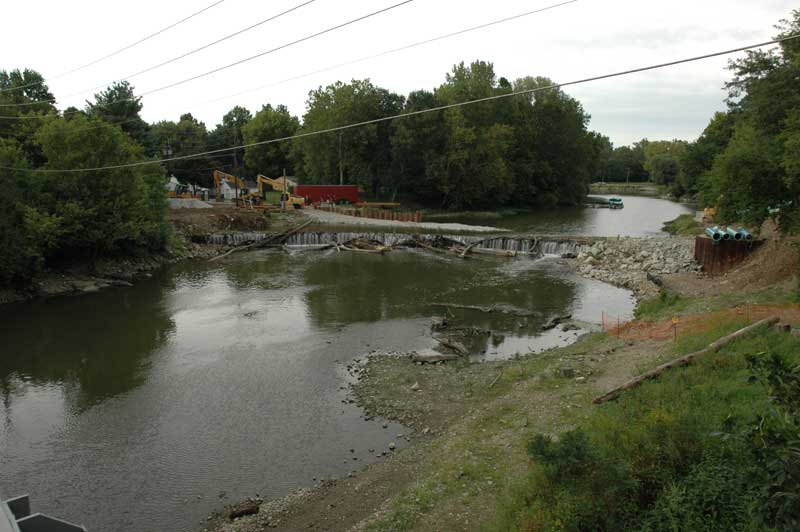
x=279 y=189
x=234 y=182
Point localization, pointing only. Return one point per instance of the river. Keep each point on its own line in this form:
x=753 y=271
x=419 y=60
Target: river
x=145 y=408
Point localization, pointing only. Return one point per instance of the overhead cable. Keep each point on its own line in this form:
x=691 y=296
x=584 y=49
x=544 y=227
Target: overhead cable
x=420 y=112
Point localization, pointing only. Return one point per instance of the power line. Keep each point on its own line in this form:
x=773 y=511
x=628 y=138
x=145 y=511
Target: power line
x=374 y=56
x=395 y=50
x=239 y=62
x=169 y=61
x=422 y=111
x=124 y=48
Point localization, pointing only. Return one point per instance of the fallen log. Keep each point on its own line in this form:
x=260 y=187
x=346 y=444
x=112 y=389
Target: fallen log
x=279 y=238
x=453 y=345
x=494 y=252
x=232 y=251
x=500 y=309
x=684 y=360
x=466 y=251
x=433 y=358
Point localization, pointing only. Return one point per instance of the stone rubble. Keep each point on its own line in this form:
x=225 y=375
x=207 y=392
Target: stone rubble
x=635 y=263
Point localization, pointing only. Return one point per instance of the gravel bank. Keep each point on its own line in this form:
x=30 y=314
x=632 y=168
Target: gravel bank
x=637 y=263
x=340 y=219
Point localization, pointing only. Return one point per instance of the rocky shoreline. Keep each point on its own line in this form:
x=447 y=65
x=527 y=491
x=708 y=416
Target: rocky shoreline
x=637 y=263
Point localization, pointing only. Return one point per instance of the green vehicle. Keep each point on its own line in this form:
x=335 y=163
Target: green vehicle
x=615 y=203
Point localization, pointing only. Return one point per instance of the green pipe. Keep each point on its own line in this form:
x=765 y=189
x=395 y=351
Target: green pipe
x=732 y=233
x=714 y=233
x=745 y=234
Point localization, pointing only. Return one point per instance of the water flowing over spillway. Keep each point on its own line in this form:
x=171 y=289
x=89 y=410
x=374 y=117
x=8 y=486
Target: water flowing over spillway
x=532 y=246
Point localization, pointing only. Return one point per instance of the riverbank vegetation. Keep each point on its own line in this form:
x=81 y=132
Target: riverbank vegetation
x=662 y=458
x=684 y=225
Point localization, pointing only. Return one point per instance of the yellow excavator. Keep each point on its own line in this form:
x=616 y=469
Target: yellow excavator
x=282 y=188
x=219 y=177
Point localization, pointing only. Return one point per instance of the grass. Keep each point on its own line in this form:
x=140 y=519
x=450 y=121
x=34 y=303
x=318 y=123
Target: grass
x=650 y=451
x=684 y=225
x=669 y=304
x=653 y=444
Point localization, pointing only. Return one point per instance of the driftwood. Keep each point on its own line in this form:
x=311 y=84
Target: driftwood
x=684 y=360
x=433 y=358
x=500 y=309
x=279 y=239
x=467 y=249
x=452 y=344
x=494 y=252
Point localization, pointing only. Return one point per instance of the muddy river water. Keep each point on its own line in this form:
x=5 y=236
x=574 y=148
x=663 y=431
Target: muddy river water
x=145 y=408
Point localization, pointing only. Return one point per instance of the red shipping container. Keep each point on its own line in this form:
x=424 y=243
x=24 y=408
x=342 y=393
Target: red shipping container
x=334 y=193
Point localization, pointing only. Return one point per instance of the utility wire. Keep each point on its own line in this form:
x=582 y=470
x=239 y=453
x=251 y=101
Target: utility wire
x=422 y=111
x=116 y=52
x=167 y=62
x=236 y=63
x=395 y=50
x=374 y=56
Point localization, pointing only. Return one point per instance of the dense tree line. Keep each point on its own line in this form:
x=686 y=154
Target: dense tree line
x=746 y=163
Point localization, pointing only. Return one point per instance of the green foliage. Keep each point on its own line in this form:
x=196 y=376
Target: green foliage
x=187 y=136
x=746 y=161
x=117 y=210
x=684 y=225
x=230 y=133
x=664 y=305
x=21 y=252
x=655 y=460
x=774 y=441
x=119 y=105
x=713 y=497
x=270 y=123
x=661 y=160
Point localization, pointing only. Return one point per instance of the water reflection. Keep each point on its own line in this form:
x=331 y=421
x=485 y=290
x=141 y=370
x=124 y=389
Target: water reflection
x=95 y=347
x=131 y=409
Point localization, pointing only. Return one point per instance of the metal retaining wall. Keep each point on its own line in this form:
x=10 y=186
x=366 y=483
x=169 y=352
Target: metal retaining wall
x=719 y=257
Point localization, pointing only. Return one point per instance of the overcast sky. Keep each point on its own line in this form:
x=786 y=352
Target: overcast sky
x=586 y=38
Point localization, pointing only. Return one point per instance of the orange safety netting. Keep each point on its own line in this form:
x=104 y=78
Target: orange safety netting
x=697 y=323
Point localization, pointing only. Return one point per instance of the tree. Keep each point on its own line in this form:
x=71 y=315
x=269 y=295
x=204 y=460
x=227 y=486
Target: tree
x=698 y=158
x=24 y=94
x=119 y=105
x=26 y=234
x=416 y=143
x=268 y=124
x=230 y=133
x=186 y=137
x=120 y=210
x=661 y=160
x=359 y=155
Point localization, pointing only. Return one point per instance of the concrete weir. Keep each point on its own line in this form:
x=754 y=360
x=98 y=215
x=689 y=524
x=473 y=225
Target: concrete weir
x=536 y=246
